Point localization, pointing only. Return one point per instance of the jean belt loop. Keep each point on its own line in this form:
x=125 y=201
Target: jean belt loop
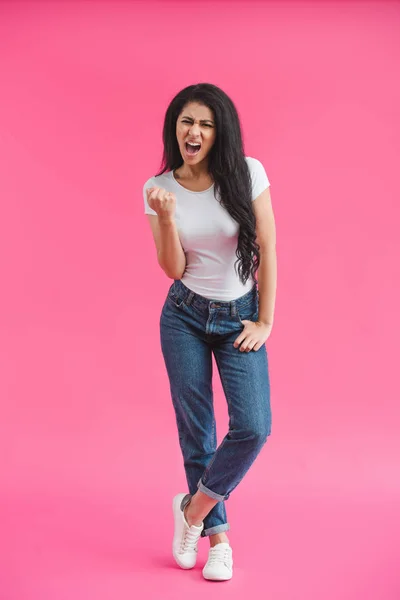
x=190 y=298
x=233 y=308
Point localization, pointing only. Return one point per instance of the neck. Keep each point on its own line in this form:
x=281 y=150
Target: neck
x=193 y=171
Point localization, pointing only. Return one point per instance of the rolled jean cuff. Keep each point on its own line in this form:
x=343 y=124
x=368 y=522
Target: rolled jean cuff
x=210 y=493
x=216 y=529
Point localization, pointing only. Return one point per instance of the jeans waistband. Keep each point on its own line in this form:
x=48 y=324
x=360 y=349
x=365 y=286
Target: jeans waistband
x=189 y=297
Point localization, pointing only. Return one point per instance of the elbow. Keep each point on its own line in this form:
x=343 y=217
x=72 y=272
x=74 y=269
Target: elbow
x=173 y=274
x=177 y=273
x=174 y=271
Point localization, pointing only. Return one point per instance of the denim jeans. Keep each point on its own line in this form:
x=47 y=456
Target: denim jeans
x=194 y=328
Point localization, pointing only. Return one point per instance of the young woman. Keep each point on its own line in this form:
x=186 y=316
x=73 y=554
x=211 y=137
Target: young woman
x=213 y=226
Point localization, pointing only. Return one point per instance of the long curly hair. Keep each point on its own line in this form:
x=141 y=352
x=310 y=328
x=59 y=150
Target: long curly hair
x=226 y=164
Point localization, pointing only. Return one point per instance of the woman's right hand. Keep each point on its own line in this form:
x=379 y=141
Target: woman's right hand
x=162 y=202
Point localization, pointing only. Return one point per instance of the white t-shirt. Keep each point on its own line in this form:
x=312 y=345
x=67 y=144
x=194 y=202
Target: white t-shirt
x=208 y=235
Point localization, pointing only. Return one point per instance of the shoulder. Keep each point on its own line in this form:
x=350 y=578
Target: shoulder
x=149 y=183
x=157 y=181
x=254 y=164
x=259 y=177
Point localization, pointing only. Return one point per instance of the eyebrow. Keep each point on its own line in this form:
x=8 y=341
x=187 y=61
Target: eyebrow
x=201 y=120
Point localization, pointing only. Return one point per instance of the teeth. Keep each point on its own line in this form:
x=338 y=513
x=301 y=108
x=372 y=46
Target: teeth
x=193 y=144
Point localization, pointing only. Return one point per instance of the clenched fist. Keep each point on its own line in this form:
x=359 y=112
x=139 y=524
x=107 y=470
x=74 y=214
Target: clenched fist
x=163 y=202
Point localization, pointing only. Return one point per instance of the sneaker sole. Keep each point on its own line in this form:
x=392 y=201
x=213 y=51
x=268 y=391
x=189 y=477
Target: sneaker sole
x=218 y=578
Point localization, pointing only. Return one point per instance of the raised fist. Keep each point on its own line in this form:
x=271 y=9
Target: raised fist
x=162 y=202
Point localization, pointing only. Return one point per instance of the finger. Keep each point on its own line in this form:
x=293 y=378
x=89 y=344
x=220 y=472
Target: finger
x=153 y=194
x=245 y=345
x=152 y=189
x=160 y=193
x=251 y=345
x=257 y=346
x=165 y=196
x=239 y=339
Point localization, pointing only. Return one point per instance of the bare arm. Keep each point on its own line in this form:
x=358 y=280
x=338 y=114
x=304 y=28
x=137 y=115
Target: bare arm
x=170 y=254
x=267 y=271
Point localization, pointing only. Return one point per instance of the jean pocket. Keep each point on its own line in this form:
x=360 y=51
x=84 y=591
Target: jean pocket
x=175 y=299
x=248 y=313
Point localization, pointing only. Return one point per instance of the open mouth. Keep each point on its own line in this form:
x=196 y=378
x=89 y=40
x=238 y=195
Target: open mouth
x=192 y=149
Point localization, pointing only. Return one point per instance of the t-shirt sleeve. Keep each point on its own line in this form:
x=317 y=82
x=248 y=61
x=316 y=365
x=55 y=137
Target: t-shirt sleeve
x=259 y=178
x=149 y=183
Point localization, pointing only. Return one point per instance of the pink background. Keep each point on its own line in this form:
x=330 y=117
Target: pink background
x=89 y=452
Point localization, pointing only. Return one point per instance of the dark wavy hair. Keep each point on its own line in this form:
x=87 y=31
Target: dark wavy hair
x=226 y=164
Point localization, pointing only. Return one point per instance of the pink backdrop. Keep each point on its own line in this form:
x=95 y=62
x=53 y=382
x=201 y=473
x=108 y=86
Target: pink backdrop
x=89 y=453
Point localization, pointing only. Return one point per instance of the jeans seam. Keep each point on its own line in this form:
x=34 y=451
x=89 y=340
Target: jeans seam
x=224 y=440
x=208 y=467
x=231 y=422
x=227 y=396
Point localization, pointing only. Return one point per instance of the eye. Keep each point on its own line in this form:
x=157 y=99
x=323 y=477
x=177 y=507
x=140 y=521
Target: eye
x=191 y=122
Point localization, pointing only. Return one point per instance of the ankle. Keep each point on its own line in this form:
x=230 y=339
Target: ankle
x=191 y=519
x=218 y=538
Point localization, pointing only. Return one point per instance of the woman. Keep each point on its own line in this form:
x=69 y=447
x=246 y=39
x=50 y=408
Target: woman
x=213 y=226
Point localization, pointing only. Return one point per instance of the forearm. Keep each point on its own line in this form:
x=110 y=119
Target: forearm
x=171 y=256
x=267 y=279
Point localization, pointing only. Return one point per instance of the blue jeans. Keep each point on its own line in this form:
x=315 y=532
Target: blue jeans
x=192 y=329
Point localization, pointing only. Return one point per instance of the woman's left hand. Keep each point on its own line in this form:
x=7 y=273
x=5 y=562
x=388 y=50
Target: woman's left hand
x=253 y=336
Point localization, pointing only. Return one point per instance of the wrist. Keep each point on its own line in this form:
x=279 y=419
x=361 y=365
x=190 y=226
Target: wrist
x=166 y=220
x=268 y=322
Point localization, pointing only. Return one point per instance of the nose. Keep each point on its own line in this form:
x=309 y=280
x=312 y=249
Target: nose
x=194 y=129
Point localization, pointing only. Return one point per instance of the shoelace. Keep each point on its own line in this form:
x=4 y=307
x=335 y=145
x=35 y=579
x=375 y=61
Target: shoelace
x=220 y=555
x=189 y=541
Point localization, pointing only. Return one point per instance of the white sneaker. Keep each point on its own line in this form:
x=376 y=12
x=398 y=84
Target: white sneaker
x=219 y=564
x=184 y=545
